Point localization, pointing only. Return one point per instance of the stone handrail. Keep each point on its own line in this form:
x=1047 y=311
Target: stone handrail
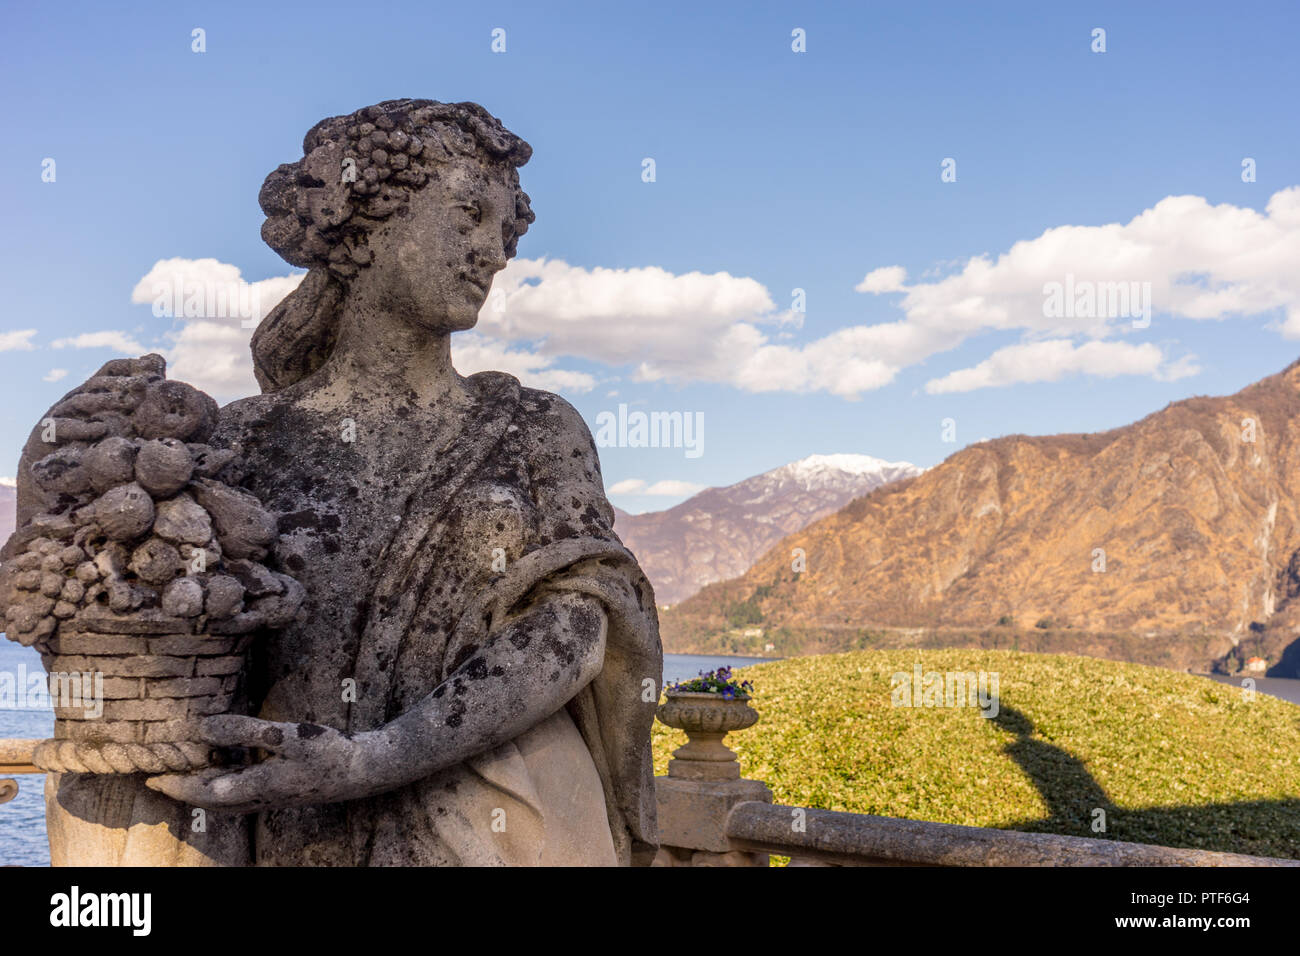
x=15 y=757
x=858 y=839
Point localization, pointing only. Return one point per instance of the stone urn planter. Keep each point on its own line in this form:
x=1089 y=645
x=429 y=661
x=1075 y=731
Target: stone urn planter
x=707 y=718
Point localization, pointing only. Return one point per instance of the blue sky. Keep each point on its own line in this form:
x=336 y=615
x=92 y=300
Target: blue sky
x=782 y=170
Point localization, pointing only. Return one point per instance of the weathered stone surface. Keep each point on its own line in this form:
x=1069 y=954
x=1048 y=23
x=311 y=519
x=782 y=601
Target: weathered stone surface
x=156 y=562
x=181 y=520
x=175 y=708
x=225 y=596
x=218 y=666
x=209 y=462
x=62 y=472
x=198 y=645
x=244 y=528
x=174 y=410
x=124 y=512
x=110 y=463
x=863 y=839
x=186 y=687
x=183 y=598
x=141 y=622
x=693 y=813
x=74 y=643
x=277 y=610
x=163 y=467
x=242 y=623
x=168 y=730
x=120 y=732
x=124 y=688
x=256 y=579
x=129 y=666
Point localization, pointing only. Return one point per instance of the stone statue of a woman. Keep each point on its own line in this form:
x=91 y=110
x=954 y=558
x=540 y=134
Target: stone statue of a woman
x=473 y=673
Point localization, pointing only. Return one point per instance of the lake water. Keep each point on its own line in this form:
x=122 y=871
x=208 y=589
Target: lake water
x=22 y=820
x=1285 y=687
x=682 y=666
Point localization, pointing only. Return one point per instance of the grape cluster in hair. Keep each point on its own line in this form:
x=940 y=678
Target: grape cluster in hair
x=359 y=169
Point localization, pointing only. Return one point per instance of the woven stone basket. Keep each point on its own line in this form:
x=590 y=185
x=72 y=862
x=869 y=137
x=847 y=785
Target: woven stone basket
x=153 y=676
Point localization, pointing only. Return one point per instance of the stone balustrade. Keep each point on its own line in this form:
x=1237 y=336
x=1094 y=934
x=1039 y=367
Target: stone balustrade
x=710 y=816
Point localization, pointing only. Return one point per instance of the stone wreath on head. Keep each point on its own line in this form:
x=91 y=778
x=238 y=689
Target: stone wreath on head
x=356 y=171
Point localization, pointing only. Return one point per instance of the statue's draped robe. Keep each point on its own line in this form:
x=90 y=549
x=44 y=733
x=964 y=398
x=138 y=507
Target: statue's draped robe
x=508 y=512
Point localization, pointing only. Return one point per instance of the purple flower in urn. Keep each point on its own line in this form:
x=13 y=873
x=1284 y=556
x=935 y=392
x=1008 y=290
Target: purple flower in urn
x=720 y=682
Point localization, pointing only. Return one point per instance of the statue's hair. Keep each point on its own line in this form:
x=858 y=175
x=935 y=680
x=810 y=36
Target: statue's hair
x=356 y=171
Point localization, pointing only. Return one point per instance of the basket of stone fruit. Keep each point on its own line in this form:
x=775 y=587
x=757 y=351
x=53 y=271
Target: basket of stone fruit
x=144 y=585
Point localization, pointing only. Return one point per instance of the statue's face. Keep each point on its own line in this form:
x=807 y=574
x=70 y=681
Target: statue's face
x=434 y=265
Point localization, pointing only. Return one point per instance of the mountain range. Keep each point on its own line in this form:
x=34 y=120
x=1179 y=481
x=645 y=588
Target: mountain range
x=719 y=532
x=1181 y=530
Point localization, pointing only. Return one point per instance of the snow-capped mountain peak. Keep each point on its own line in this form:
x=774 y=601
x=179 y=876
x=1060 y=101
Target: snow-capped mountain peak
x=720 y=532
x=852 y=464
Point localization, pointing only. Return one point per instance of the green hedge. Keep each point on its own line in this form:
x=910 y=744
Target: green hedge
x=1171 y=758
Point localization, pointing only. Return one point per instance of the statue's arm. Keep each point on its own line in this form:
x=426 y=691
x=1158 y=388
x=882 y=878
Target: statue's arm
x=530 y=668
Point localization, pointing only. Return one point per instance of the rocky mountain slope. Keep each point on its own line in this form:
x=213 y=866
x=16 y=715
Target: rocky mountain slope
x=1184 y=523
x=718 y=533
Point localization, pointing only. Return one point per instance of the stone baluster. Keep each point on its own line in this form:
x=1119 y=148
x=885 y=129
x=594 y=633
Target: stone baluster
x=704 y=783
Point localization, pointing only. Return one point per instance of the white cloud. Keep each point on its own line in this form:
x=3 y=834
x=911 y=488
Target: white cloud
x=1052 y=360
x=617 y=316
x=210 y=302
x=9 y=482
x=1202 y=262
x=209 y=289
x=213 y=357
x=688 y=327
x=109 y=339
x=668 y=488
x=471 y=353
x=54 y=375
x=886 y=279
x=20 y=341
x=628 y=486
x=673 y=488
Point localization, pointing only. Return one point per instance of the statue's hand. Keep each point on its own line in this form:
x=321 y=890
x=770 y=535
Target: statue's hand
x=309 y=764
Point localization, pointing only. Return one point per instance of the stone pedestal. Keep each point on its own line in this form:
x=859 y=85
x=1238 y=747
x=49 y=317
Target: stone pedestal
x=693 y=821
x=704 y=783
